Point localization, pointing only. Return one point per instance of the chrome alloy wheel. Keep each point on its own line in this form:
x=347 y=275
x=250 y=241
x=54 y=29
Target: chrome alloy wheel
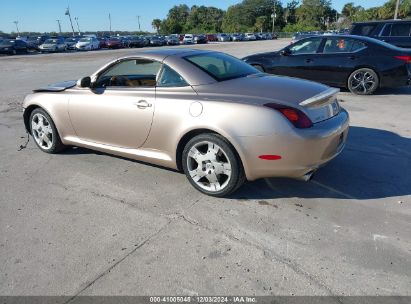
x=42 y=131
x=209 y=166
x=363 y=82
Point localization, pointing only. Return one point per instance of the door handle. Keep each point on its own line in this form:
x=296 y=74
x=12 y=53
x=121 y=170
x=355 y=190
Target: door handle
x=142 y=104
x=308 y=60
x=352 y=57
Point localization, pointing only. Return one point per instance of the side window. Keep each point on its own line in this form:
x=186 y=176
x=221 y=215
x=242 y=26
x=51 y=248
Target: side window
x=342 y=45
x=309 y=46
x=386 y=31
x=401 y=29
x=357 y=45
x=130 y=73
x=170 y=78
x=363 y=29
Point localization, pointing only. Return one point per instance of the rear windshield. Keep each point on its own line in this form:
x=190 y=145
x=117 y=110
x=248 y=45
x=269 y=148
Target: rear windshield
x=221 y=66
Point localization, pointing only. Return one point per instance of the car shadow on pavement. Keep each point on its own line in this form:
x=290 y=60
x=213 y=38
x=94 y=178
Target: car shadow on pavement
x=374 y=164
x=405 y=90
x=394 y=91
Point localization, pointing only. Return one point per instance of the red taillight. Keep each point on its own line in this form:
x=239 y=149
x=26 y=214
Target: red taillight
x=270 y=157
x=295 y=116
x=405 y=58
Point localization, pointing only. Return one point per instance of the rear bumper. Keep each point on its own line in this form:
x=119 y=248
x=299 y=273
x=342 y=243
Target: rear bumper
x=301 y=150
x=397 y=77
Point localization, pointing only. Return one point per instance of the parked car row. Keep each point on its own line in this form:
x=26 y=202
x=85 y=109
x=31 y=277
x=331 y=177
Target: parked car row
x=48 y=44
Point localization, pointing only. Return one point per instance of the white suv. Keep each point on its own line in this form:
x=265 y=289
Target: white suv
x=188 y=39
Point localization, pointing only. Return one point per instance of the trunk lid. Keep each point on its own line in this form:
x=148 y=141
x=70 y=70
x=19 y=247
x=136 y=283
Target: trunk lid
x=318 y=101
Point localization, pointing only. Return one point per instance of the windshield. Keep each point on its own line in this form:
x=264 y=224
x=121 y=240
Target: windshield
x=221 y=66
x=85 y=40
x=51 y=41
x=71 y=40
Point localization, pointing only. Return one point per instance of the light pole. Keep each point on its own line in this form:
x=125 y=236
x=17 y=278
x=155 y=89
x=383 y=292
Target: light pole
x=58 y=22
x=78 y=27
x=17 y=27
x=109 y=18
x=139 y=27
x=273 y=15
x=71 y=22
x=396 y=9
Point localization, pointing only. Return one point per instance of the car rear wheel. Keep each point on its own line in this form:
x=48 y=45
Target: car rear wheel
x=45 y=132
x=363 y=81
x=212 y=165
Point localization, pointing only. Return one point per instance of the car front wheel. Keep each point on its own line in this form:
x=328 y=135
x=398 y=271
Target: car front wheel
x=45 y=132
x=363 y=81
x=212 y=165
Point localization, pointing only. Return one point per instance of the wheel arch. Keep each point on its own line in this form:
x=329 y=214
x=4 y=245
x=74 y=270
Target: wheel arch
x=27 y=114
x=258 y=64
x=194 y=132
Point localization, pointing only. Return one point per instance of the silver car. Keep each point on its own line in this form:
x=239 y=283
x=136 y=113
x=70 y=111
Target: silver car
x=208 y=114
x=53 y=45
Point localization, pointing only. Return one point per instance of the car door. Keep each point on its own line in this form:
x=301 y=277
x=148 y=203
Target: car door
x=296 y=60
x=337 y=57
x=118 y=110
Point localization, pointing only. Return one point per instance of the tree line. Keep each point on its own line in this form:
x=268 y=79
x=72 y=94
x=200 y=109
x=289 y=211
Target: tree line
x=256 y=16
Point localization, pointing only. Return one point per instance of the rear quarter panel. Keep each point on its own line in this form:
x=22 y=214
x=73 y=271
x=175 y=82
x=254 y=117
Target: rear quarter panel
x=178 y=112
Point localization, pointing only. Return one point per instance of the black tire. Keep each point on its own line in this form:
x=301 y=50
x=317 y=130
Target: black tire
x=232 y=183
x=259 y=67
x=56 y=144
x=363 y=81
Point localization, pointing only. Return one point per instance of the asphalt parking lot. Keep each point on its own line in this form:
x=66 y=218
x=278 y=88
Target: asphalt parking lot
x=86 y=223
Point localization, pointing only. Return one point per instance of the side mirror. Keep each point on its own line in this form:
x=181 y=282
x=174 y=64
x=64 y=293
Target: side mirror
x=84 y=82
x=285 y=52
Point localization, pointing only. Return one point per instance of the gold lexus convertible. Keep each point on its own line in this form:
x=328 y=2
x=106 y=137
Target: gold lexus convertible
x=211 y=115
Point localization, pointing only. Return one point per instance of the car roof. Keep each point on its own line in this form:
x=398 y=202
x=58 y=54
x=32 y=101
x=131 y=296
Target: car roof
x=382 y=21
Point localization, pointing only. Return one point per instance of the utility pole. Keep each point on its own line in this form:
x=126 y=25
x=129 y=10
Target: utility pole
x=78 y=27
x=17 y=27
x=109 y=18
x=396 y=9
x=58 y=22
x=139 y=27
x=71 y=22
